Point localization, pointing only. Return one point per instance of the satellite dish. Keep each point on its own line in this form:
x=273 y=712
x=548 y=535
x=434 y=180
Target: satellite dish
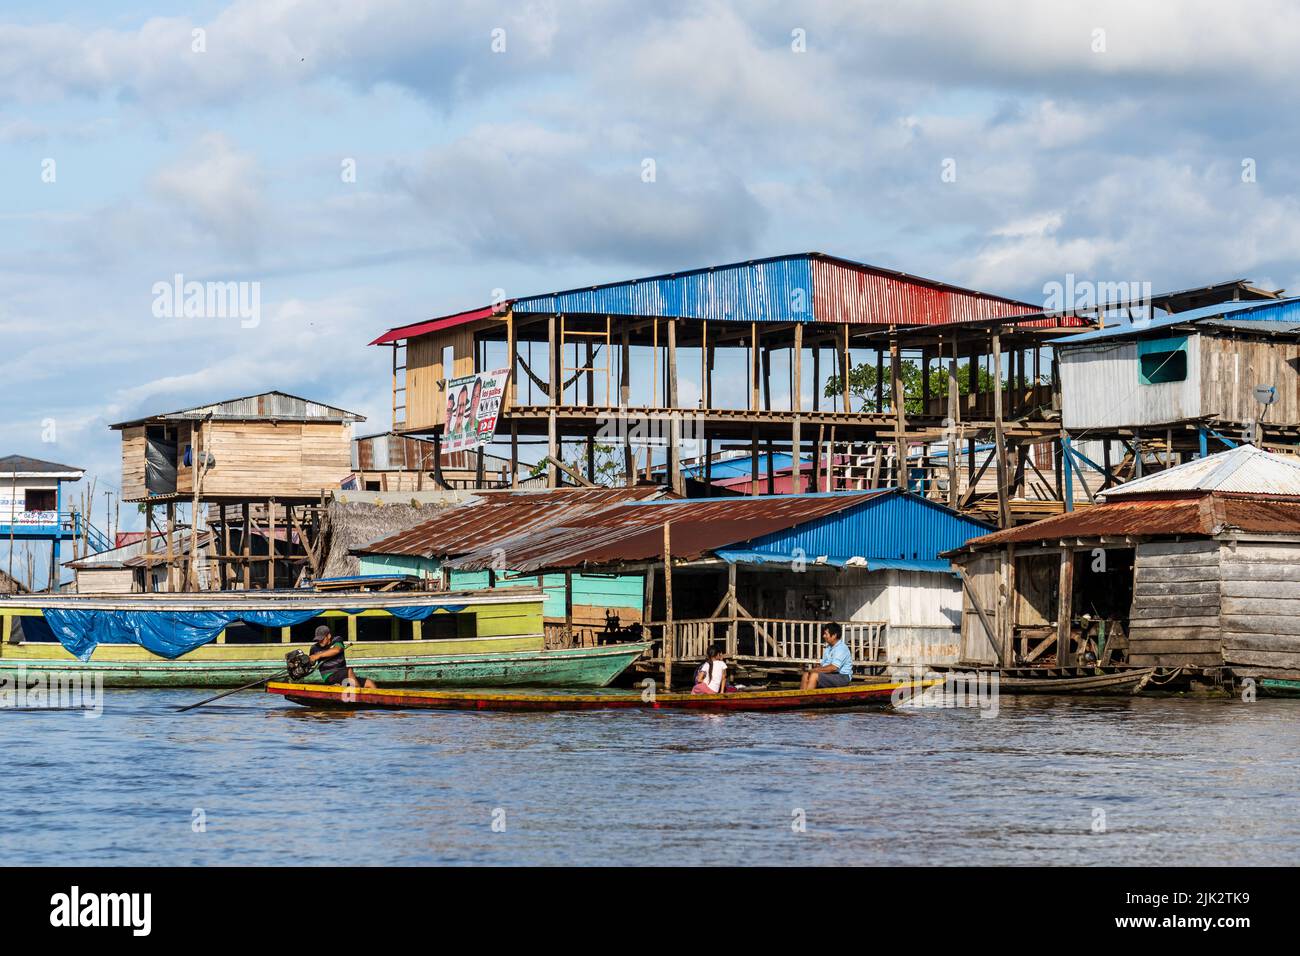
x=1265 y=394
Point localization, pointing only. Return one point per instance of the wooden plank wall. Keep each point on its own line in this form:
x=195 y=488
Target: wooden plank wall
x=1175 y=617
x=133 y=458
x=265 y=460
x=984 y=572
x=1261 y=606
x=106 y=581
x=1232 y=367
x=426 y=399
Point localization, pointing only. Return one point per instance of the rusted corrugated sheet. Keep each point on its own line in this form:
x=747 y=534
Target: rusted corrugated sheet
x=1199 y=514
x=496 y=516
x=858 y=294
x=634 y=532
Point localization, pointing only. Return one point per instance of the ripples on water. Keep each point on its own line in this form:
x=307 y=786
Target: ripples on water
x=1178 y=781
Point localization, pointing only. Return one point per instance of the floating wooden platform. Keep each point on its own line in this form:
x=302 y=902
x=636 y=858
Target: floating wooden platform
x=857 y=694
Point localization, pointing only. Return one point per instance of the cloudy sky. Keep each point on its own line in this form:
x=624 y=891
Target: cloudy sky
x=502 y=147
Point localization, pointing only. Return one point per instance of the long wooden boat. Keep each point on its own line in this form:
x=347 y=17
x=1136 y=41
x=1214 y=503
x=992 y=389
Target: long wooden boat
x=1028 y=681
x=465 y=639
x=857 y=694
x=1279 y=687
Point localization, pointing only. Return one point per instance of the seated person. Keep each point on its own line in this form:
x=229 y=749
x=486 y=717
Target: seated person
x=711 y=676
x=334 y=669
x=836 y=668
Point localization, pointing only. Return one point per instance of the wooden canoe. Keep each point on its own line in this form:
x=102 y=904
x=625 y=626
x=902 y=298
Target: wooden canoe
x=857 y=694
x=1123 y=682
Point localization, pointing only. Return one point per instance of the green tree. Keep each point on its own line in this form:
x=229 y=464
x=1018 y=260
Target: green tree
x=608 y=461
x=864 y=387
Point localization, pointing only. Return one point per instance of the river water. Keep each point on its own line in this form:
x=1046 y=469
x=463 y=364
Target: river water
x=252 y=779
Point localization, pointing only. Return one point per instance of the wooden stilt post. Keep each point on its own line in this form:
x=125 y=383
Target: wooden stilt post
x=668 y=608
x=552 y=425
x=846 y=368
x=732 y=626
x=899 y=401
x=624 y=398
x=999 y=438
x=796 y=404
x=171 y=546
x=954 y=416
x=753 y=460
x=148 y=545
x=270 y=544
x=1065 y=609
x=675 y=478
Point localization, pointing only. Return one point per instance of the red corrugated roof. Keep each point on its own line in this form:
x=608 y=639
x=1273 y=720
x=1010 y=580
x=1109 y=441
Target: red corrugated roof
x=436 y=325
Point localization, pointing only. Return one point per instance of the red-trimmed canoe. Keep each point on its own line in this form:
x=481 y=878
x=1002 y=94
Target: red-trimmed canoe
x=857 y=694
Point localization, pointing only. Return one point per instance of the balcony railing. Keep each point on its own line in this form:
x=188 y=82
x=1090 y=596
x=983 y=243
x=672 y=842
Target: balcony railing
x=770 y=640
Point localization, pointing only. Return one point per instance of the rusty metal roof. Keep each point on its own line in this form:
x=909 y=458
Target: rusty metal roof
x=481 y=522
x=1241 y=470
x=633 y=533
x=1207 y=514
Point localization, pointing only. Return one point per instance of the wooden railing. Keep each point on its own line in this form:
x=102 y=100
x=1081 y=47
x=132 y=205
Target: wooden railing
x=770 y=640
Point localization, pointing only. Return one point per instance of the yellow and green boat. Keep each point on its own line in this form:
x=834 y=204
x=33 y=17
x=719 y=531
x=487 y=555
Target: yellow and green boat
x=229 y=638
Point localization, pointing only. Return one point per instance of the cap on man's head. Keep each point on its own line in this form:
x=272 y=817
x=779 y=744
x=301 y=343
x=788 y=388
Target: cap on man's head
x=322 y=631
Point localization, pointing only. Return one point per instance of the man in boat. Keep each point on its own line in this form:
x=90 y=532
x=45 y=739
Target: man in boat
x=328 y=652
x=836 y=668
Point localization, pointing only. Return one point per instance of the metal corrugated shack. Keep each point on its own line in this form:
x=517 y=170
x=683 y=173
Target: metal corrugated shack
x=1228 y=348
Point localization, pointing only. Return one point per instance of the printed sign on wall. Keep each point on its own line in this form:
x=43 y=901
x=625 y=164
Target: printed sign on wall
x=473 y=404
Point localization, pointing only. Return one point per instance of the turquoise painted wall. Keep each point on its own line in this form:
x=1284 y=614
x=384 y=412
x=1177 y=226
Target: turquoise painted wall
x=596 y=590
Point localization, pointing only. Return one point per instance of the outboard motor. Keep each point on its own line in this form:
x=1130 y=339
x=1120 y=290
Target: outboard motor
x=298 y=664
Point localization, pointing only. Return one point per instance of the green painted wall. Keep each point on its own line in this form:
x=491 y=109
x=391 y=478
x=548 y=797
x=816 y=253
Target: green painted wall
x=595 y=590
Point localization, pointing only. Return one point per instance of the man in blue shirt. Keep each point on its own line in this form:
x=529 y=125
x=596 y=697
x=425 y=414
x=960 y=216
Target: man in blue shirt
x=836 y=668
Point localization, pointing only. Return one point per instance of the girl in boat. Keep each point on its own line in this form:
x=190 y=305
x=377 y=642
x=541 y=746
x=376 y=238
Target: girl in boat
x=711 y=676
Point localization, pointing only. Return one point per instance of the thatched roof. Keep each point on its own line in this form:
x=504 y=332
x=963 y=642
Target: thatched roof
x=358 y=518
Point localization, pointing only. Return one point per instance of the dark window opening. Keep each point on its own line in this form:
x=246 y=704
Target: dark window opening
x=241 y=633
x=306 y=631
x=446 y=627
x=378 y=628
x=40 y=499
x=1160 y=367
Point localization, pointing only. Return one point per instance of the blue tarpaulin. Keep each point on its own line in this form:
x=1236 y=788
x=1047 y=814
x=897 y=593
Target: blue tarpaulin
x=171 y=634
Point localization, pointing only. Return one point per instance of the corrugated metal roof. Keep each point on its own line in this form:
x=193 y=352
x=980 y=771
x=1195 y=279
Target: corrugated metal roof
x=897 y=527
x=11 y=465
x=498 y=515
x=803 y=287
x=437 y=325
x=885 y=524
x=1286 y=311
x=1204 y=514
x=633 y=532
x=854 y=293
x=265 y=406
x=1241 y=470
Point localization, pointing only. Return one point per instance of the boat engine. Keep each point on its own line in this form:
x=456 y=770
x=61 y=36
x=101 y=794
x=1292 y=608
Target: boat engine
x=298 y=664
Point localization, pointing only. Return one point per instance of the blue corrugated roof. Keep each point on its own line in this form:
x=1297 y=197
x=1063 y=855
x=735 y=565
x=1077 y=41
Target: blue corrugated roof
x=764 y=290
x=892 y=529
x=1282 y=311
